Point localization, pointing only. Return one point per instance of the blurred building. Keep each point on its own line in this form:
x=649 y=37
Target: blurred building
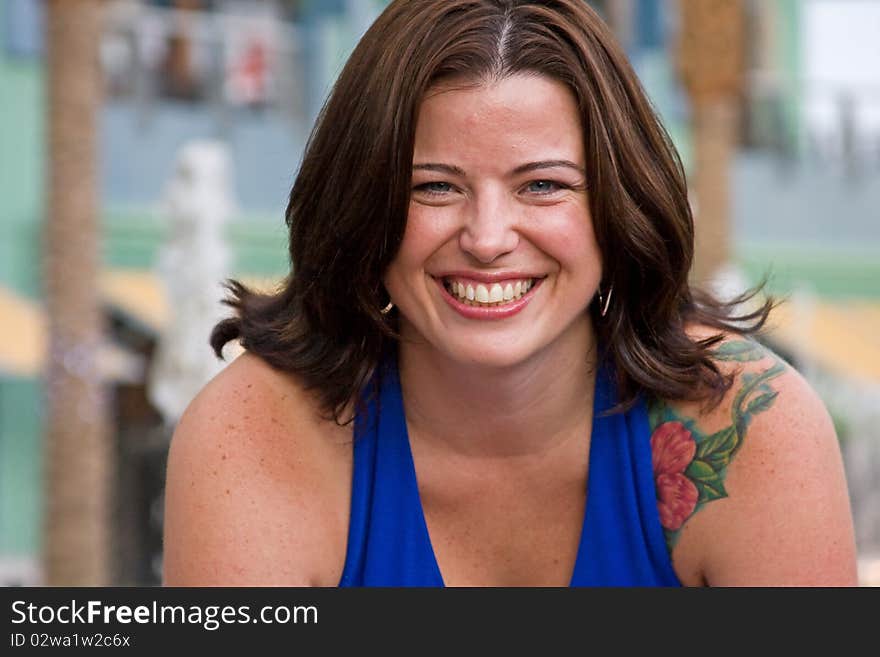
x=806 y=208
x=253 y=74
x=249 y=73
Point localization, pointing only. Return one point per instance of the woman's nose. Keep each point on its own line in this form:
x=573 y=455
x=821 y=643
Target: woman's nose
x=489 y=230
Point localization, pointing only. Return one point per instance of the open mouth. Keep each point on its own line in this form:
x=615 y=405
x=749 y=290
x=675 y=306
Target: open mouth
x=488 y=295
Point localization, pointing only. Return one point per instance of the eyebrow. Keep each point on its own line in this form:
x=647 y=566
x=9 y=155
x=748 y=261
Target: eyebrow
x=442 y=168
x=548 y=164
x=523 y=168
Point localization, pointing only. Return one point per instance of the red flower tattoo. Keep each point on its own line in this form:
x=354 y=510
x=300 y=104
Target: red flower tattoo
x=672 y=450
x=678 y=498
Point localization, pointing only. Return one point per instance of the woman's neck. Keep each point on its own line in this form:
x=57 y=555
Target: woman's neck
x=525 y=409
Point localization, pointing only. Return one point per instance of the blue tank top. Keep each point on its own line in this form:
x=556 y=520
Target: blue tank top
x=622 y=542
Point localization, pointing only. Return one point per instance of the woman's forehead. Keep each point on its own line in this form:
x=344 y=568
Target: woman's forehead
x=517 y=114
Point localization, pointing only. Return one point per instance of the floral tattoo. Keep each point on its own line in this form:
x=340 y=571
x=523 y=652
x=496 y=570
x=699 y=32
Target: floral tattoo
x=689 y=465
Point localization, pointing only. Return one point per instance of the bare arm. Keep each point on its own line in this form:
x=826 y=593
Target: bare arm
x=251 y=489
x=754 y=492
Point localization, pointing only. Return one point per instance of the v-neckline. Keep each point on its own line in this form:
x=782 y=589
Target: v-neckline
x=600 y=392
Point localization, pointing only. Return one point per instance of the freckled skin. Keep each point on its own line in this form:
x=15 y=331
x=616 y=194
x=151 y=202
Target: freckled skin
x=230 y=485
x=783 y=508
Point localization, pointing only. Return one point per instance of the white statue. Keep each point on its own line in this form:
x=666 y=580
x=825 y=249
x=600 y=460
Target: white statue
x=192 y=265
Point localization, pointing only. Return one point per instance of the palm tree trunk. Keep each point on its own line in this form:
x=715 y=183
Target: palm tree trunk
x=77 y=446
x=715 y=136
x=711 y=58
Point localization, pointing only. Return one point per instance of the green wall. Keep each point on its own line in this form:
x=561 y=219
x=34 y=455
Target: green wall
x=22 y=138
x=21 y=487
x=133 y=236
x=851 y=273
x=789 y=62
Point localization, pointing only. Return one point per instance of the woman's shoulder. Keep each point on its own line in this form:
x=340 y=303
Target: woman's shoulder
x=257 y=485
x=254 y=390
x=752 y=490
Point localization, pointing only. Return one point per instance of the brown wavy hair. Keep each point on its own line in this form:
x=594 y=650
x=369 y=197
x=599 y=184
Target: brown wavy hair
x=349 y=203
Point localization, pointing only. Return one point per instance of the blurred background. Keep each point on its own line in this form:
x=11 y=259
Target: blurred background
x=147 y=148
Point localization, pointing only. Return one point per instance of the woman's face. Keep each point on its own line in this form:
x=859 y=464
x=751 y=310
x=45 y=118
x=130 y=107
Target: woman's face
x=499 y=260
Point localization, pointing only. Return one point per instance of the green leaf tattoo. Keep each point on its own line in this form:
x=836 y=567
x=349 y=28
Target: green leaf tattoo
x=743 y=351
x=761 y=403
x=690 y=466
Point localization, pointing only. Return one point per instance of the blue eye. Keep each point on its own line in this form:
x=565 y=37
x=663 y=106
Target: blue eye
x=436 y=187
x=542 y=187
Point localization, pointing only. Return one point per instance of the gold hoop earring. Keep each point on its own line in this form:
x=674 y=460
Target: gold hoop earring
x=604 y=302
x=387 y=309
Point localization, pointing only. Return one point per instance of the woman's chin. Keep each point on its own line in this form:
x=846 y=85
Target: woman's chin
x=488 y=357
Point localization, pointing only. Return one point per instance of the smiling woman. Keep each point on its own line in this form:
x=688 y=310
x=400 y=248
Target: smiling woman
x=487 y=366
x=505 y=209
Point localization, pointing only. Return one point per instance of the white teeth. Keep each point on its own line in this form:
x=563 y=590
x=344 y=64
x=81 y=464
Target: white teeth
x=495 y=293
